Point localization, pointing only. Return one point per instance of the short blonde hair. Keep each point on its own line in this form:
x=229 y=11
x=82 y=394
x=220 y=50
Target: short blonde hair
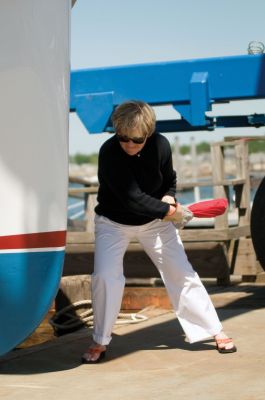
x=132 y=115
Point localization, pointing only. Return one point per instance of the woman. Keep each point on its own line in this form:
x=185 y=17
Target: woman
x=136 y=199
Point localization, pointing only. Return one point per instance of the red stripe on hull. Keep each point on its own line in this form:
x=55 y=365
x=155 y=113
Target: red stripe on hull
x=33 y=240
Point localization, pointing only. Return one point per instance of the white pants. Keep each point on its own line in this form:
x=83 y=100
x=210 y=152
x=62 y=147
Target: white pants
x=163 y=245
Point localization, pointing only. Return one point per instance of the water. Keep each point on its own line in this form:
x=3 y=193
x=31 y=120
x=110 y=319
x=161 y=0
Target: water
x=76 y=206
x=187 y=196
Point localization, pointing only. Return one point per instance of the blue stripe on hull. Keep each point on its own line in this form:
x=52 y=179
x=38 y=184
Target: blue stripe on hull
x=28 y=285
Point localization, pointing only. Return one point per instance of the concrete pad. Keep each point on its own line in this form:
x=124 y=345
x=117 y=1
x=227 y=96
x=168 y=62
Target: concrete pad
x=149 y=360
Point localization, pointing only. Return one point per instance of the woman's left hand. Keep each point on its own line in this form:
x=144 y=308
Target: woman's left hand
x=176 y=217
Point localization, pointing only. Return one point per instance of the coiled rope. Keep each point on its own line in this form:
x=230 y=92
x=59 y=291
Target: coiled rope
x=86 y=317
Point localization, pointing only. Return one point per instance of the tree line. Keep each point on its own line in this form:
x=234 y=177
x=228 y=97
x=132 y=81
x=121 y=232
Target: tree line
x=203 y=147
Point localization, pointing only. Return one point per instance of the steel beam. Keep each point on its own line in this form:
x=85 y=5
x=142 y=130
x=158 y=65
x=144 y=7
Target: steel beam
x=191 y=87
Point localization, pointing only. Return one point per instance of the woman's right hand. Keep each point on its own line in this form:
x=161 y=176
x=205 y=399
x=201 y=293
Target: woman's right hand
x=174 y=215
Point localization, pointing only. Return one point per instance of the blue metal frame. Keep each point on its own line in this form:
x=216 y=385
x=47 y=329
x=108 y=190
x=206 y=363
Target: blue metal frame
x=191 y=87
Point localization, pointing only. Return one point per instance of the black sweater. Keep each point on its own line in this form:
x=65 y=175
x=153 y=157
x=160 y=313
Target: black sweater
x=130 y=187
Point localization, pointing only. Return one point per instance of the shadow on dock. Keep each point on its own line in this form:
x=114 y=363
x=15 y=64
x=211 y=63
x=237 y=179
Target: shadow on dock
x=159 y=334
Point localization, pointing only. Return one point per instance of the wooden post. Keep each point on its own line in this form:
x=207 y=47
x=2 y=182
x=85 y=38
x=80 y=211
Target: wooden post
x=90 y=213
x=194 y=165
x=243 y=192
x=177 y=155
x=217 y=154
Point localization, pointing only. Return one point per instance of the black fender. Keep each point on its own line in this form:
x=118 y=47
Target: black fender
x=257 y=223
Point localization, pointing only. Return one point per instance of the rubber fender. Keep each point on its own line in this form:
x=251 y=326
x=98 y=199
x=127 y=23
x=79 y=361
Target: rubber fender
x=257 y=223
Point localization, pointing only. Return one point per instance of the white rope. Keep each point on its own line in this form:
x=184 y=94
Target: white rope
x=86 y=317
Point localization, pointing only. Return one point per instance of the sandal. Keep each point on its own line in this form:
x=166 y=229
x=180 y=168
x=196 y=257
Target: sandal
x=224 y=350
x=93 y=352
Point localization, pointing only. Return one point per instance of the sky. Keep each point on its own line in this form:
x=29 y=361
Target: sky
x=122 y=32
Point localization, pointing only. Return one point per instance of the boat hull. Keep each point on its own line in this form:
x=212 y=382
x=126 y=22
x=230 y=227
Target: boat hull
x=34 y=103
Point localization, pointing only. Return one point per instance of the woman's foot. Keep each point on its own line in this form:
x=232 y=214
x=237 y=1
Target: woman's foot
x=224 y=344
x=94 y=354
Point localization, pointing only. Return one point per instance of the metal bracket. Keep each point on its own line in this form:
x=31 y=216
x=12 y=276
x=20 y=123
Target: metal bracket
x=200 y=102
x=94 y=110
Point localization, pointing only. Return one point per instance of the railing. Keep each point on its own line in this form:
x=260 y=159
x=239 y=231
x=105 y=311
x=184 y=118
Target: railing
x=240 y=184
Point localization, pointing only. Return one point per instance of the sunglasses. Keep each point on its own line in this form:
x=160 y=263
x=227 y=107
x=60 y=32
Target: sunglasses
x=126 y=139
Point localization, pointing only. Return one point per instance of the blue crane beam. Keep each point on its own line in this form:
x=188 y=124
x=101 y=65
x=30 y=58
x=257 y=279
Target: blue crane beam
x=191 y=87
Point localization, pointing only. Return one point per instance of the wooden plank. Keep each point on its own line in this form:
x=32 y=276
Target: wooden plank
x=79 y=263
x=72 y=191
x=79 y=237
x=181 y=185
x=228 y=143
x=261 y=278
x=220 y=182
x=248 y=138
x=242 y=257
x=208 y=258
x=138 y=298
x=195 y=235
x=81 y=179
x=74 y=239
x=79 y=248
